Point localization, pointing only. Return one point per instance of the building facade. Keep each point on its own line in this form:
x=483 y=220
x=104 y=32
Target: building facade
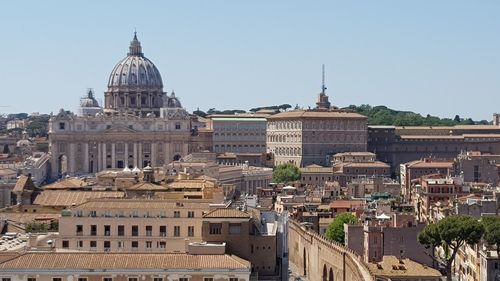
x=139 y=124
x=240 y=133
x=305 y=137
x=132 y=225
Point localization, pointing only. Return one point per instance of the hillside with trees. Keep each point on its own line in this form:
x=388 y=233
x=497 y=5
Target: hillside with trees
x=377 y=115
x=382 y=115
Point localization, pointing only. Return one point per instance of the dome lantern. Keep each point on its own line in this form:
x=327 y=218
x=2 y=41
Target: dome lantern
x=135 y=48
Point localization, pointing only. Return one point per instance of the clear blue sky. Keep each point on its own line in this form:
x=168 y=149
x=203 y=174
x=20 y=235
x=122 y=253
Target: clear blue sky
x=432 y=57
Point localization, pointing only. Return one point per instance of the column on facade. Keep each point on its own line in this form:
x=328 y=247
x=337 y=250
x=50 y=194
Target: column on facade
x=153 y=154
x=99 y=157
x=104 y=157
x=125 y=161
x=71 y=158
x=126 y=100
x=86 y=167
x=166 y=151
x=185 y=148
x=135 y=155
x=139 y=155
x=113 y=155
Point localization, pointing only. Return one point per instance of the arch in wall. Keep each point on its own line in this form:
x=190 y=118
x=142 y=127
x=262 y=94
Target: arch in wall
x=325 y=273
x=330 y=275
x=305 y=261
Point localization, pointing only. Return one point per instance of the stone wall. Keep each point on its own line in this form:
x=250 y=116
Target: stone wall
x=319 y=259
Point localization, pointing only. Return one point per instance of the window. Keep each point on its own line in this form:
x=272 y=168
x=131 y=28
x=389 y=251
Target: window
x=81 y=279
x=135 y=244
x=208 y=279
x=79 y=230
x=233 y=279
x=121 y=230
x=8 y=279
x=163 y=230
x=177 y=126
x=31 y=278
x=149 y=244
x=135 y=230
x=149 y=230
x=121 y=245
x=183 y=279
x=93 y=244
x=93 y=230
x=190 y=231
x=190 y=214
x=107 y=230
x=157 y=279
x=234 y=228
x=62 y=126
x=133 y=279
x=215 y=228
x=162 y=244
x=177 y=214
x=53 y=279
x=107 y=279
x=107 y=245
x=177 y=231
x=79 y=244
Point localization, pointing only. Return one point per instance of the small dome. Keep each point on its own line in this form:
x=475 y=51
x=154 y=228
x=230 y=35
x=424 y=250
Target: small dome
x=89 y=100
x=135 y=71
x=172 y=101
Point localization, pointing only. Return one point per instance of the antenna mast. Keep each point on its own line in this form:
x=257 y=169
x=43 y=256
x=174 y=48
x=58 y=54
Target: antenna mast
x=323 y=87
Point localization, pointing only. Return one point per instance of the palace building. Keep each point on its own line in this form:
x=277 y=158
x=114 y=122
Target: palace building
x=140 y=124
x=312 y=136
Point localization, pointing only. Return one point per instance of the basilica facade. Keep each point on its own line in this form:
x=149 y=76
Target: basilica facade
x=138 y=125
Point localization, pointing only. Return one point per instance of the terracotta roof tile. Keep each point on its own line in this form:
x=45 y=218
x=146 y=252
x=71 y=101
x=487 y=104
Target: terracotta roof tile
x=390 y=266
x=69 y=198
x=123 y=261
x=346 y=204
x=141 y=204
x=316 y=114
x=227 y=213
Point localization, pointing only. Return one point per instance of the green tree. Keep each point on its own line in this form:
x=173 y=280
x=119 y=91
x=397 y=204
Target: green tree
x=492 y=231
x=335 y=230
x=286 y=173
x=450 y=234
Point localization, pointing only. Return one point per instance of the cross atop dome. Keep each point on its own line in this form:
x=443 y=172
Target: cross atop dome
x=135 y=48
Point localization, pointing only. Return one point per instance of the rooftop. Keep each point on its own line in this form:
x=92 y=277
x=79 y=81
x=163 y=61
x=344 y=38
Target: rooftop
x=391 y=266
x=316 y=114
x=67 y=184
x=347 y=204
x=69 y=198
x=120 y=261
x=227 y=213
x=143 y=204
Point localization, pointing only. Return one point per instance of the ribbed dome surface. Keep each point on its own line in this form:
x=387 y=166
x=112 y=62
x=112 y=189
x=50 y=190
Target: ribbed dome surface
x=135 y=71
x=89 y=100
